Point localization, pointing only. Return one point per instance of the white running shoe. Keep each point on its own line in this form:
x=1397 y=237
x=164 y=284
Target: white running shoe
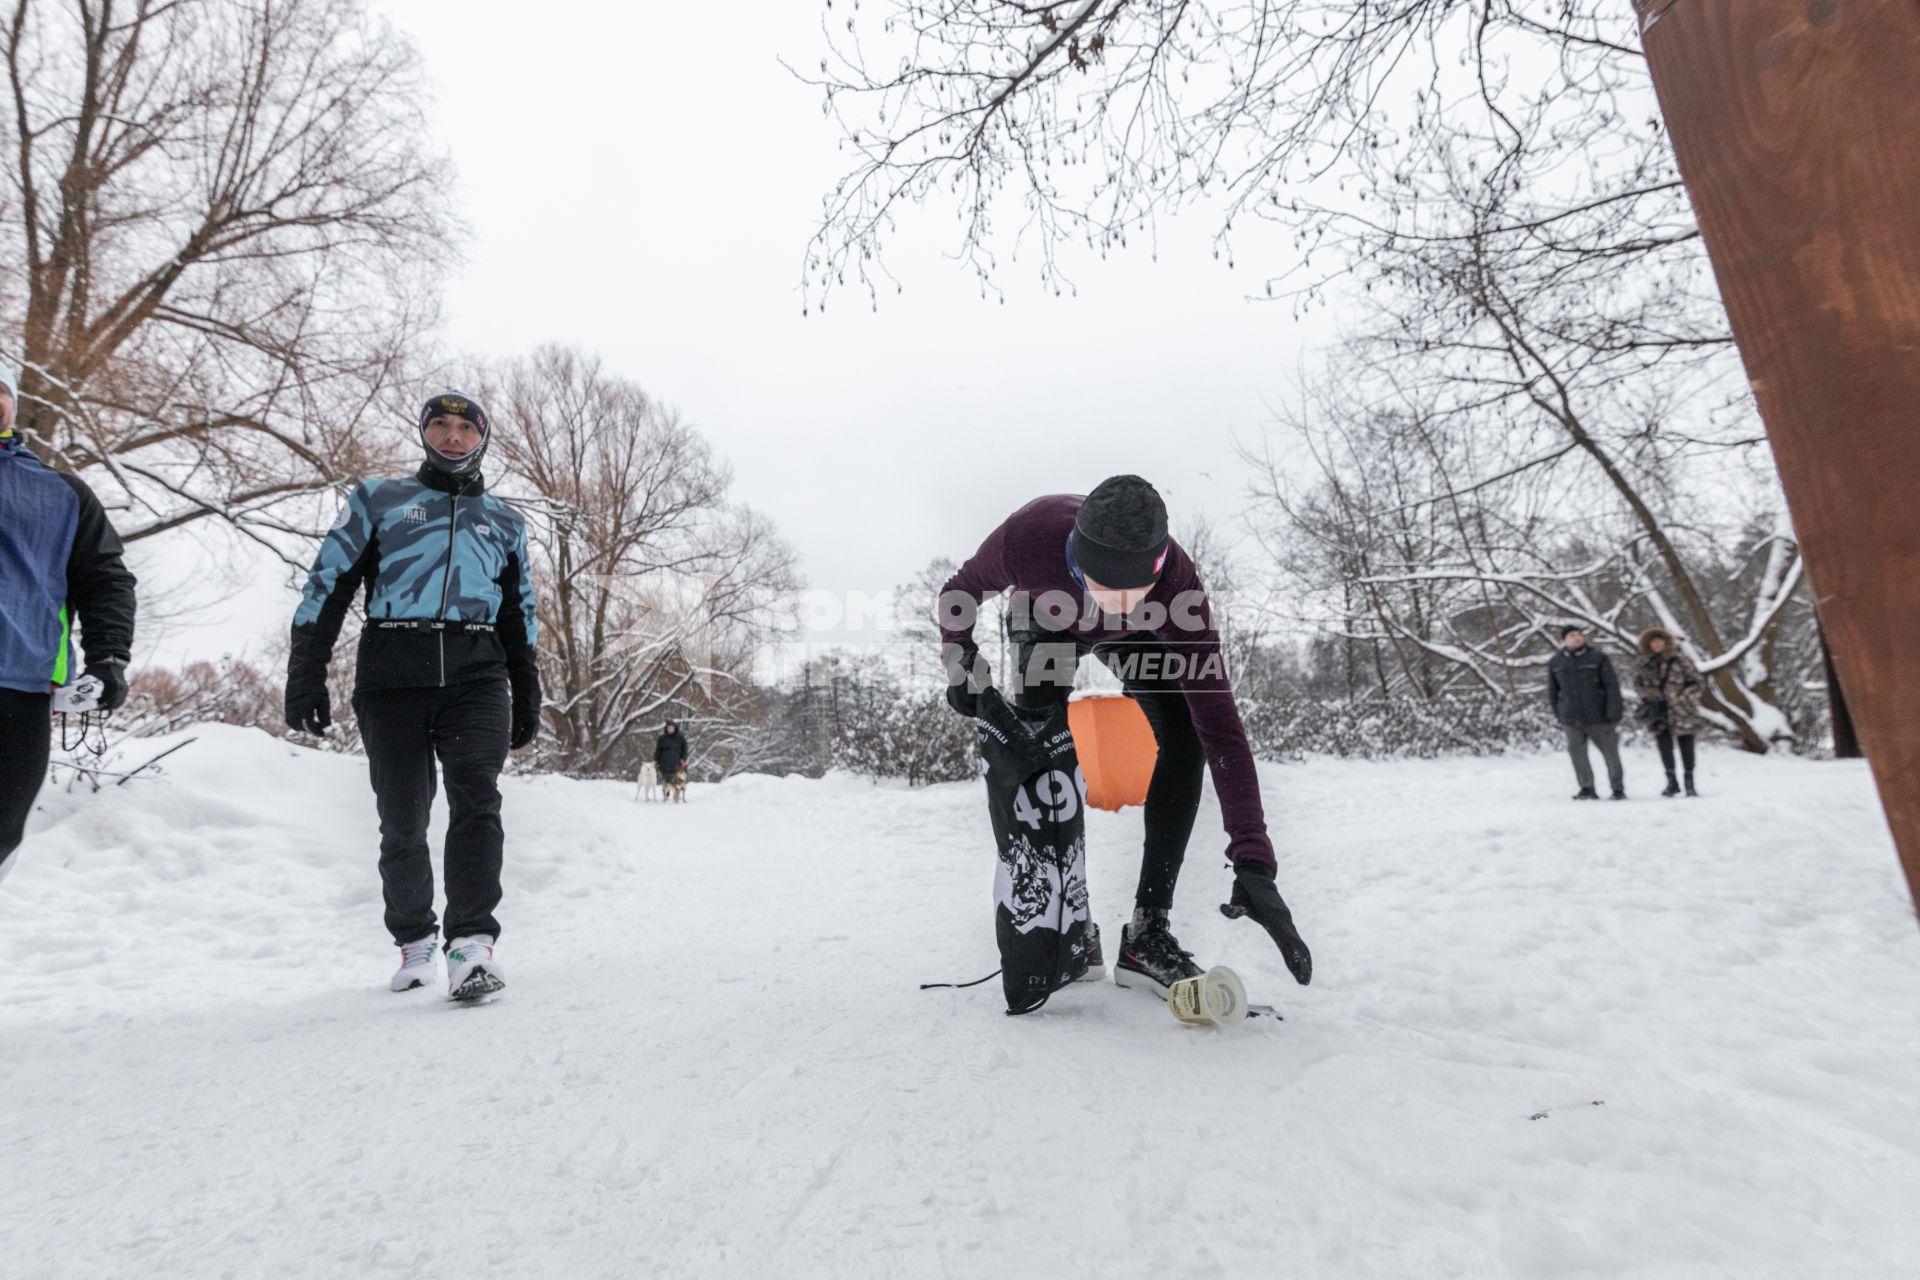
x=472 y=972
x=416 y=965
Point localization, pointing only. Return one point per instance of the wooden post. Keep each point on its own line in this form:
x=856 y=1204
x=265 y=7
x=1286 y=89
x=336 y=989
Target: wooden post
x=1796 y=124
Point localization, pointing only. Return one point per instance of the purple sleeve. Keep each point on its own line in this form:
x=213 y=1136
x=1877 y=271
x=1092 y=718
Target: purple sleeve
x=982 y=577
x=1216 y=716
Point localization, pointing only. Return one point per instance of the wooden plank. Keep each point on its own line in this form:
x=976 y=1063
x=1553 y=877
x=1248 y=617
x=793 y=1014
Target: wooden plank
x=1796 y=124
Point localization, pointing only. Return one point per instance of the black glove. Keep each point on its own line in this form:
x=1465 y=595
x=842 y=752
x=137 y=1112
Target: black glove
x=1016 y=746
x=1254 y=895
x=967 y=676
x=112 y=675
x=526 y=713
x=309 y=706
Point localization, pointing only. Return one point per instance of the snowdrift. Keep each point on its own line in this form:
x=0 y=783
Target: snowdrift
x=1662 y=1038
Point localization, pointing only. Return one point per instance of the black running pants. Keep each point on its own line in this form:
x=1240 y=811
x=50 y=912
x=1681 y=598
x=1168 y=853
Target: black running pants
x=26 y=743
x=466 y=728
x=1045 y=663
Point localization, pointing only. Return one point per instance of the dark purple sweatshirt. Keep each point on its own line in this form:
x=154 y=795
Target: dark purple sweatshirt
x=1029 y=553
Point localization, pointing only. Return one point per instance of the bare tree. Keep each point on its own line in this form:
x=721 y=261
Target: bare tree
x=1486 y=177
x=656 y=594
x=223 y=233
x=1454 y=546
x=1091 y=118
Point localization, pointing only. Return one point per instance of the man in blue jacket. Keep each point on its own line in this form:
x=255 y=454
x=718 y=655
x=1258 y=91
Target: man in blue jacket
x=60 y=560
x=446 y=669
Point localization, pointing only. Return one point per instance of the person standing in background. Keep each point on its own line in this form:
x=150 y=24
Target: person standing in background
x=1584 y=692
x=670 y=756
x=1669 y=686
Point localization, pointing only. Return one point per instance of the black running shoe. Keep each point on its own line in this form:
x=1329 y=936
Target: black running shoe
x=1152 y=958
x=1096 y=959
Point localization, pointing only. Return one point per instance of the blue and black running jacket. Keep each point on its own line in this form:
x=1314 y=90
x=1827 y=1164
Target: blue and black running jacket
x=59 y=560
x=438 y=552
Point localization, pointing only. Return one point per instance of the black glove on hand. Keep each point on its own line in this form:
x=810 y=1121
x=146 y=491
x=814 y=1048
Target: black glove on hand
x=967 y=675
x=112 y=675
x=1254 y=895
x=526 y=713
x=1022 y=747
x=309 y=706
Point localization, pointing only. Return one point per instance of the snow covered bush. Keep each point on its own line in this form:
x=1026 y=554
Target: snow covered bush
x=1294 y=727
x=893 y=731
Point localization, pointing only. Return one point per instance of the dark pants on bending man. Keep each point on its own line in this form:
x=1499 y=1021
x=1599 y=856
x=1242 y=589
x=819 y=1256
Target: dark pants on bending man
x=26 y=744
x=466 y=727
x=1045 y=663
x=1607 y=738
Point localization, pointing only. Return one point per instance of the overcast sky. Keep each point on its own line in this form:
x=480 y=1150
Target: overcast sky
x=642 y=180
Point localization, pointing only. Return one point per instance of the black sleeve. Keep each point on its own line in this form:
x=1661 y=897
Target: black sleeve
x=511 y=624
x=1610 y=680
x=313 y=641
x=100 y=587
x=1553 y=686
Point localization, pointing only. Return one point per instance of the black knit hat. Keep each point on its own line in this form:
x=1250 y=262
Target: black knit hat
x=1120 y=535
x=1570 y=628
x=455 y=404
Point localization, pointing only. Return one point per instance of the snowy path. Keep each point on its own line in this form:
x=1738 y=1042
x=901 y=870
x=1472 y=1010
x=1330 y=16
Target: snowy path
x=713 y=1059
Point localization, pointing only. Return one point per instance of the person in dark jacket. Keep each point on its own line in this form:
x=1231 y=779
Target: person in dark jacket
x=670 y=756
x=1099 y=574
x=447 y=668
x=1584 y=692
x=60 y=562
x=1669 y=686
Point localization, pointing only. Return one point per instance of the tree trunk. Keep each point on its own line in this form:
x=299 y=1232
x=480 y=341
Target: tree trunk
x=1794 y=122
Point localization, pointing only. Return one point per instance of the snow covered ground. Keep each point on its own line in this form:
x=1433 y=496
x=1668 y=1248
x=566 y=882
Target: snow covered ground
x=1663 y=1038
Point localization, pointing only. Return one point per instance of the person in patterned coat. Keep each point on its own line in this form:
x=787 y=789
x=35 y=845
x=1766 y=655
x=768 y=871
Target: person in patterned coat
x=1669 y=686
x=446 y=669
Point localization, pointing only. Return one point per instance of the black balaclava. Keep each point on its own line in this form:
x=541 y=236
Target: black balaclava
x=455 y=404
x=1120 y=536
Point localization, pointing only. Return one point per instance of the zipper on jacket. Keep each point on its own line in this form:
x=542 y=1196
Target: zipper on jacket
x=446 y=579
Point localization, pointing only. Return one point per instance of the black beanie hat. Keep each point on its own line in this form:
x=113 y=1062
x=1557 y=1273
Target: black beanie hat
x=1120 y=535
x=1570 y=628
x=455 y=404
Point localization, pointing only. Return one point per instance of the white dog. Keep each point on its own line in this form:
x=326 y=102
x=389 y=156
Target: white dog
x=650 y=782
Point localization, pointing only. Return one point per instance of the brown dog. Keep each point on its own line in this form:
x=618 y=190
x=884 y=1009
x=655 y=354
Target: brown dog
x=677 y=786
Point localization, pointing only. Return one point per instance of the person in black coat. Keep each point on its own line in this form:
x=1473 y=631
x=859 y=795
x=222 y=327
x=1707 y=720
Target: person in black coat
x=1584 y=692
x=670 y=753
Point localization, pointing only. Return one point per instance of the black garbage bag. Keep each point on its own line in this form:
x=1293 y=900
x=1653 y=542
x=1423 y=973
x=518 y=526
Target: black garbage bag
x=1037 y=797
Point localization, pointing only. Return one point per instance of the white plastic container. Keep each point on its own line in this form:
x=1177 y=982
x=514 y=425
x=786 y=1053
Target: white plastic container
x=1217 y=998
